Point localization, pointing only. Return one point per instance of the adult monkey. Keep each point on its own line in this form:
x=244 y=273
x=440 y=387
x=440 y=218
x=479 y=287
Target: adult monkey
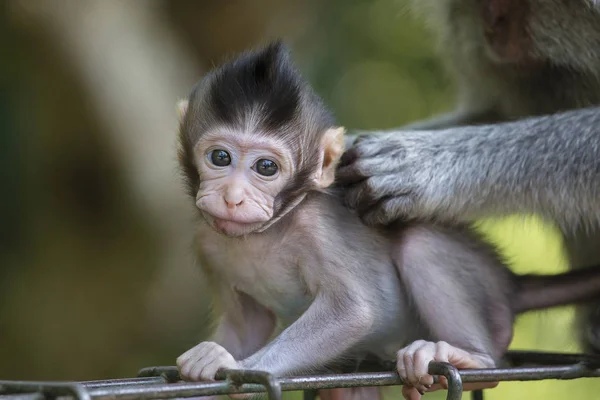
x=525 y=137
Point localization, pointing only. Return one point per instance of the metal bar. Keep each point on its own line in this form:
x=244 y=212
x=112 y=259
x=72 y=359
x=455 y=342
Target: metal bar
x=28 y=396
x=164 y=382
x=455 y=387
x=241 y=376
x=224 y=387
x=48 y=389
x=125 y=382
x=343 y=380
x=171 y=374
x=564 y=372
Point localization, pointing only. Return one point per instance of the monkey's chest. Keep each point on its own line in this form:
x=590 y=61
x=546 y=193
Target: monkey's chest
x=269 y=274
x=278 y=289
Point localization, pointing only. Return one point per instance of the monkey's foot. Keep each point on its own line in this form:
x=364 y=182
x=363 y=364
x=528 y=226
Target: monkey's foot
x=202 y=362
x=413 y=364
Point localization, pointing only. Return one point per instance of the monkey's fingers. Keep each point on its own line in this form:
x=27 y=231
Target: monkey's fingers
x=348 y=175
x=371 y=145
x=202 y=362
x=366 y=195
x=371 y=166
x=200 y=369
x=410 y=393
x=348 y=157
x=388 y=210
x=352 y=153
x=190 y=359
x=413 y=364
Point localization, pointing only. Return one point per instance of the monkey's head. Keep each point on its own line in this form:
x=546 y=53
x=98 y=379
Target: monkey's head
x=254 y=140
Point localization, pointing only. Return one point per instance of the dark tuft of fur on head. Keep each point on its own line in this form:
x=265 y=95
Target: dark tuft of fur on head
x=262 y=85
x=264 y=79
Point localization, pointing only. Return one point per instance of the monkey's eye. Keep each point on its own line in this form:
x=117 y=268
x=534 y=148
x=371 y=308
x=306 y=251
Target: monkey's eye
x=220 y=158
x=266 y=167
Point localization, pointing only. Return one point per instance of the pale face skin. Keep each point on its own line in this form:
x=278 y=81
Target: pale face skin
x=241 y=175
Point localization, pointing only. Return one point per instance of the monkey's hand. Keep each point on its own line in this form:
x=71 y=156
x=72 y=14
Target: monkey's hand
x=396 y=175
x=202 y=362
x=413 y=364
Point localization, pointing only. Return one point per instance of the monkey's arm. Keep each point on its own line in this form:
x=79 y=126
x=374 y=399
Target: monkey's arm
x=331 y=326
x=548 y=165
x=244 y=327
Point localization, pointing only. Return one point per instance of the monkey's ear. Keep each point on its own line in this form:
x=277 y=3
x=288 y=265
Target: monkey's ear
x=182 y=106
x=332 y=147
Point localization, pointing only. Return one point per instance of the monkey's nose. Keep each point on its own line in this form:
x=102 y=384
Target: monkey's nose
x=233 y=203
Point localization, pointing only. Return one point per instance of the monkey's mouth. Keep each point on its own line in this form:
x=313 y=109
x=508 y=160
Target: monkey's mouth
x=231 y=227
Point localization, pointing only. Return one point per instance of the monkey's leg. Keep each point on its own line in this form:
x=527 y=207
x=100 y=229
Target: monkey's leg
x=455 y=284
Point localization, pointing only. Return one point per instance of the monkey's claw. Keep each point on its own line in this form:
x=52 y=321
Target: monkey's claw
x=202 y=362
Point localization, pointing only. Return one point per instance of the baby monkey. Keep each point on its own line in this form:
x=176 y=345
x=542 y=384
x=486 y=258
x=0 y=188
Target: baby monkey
x=301 y=282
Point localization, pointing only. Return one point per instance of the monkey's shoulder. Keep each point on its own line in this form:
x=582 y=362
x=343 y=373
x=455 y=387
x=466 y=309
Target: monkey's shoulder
x=333 y=228
x=325 y=211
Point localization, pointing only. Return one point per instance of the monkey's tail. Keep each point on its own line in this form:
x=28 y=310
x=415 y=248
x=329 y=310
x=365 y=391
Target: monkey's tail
x=545 y=291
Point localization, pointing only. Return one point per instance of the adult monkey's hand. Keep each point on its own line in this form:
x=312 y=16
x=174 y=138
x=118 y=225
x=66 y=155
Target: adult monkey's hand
x=398 y=175
x=546 y=165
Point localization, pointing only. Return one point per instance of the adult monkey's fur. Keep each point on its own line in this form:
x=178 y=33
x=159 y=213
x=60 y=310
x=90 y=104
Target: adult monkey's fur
x=528 y=74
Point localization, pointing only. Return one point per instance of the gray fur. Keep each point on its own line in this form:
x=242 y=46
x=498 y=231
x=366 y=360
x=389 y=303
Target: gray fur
x=464 y=173
x=545 y=160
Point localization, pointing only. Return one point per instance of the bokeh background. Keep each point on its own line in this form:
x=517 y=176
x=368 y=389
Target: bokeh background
x=96 y=274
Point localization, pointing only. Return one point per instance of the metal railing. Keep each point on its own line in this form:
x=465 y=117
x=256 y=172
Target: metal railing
x=164 y=382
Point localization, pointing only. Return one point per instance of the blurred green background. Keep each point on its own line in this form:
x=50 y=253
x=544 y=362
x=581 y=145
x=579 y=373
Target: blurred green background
x=96 y=274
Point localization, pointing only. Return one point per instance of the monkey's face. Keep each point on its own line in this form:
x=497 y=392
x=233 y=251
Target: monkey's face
x=240 y=177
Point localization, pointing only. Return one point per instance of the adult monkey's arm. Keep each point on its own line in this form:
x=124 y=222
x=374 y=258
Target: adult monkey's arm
x=547 y=165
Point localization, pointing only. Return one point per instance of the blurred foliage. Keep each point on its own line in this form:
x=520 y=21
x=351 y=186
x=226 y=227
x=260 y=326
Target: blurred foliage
x=78 y=255
x=374 y=64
